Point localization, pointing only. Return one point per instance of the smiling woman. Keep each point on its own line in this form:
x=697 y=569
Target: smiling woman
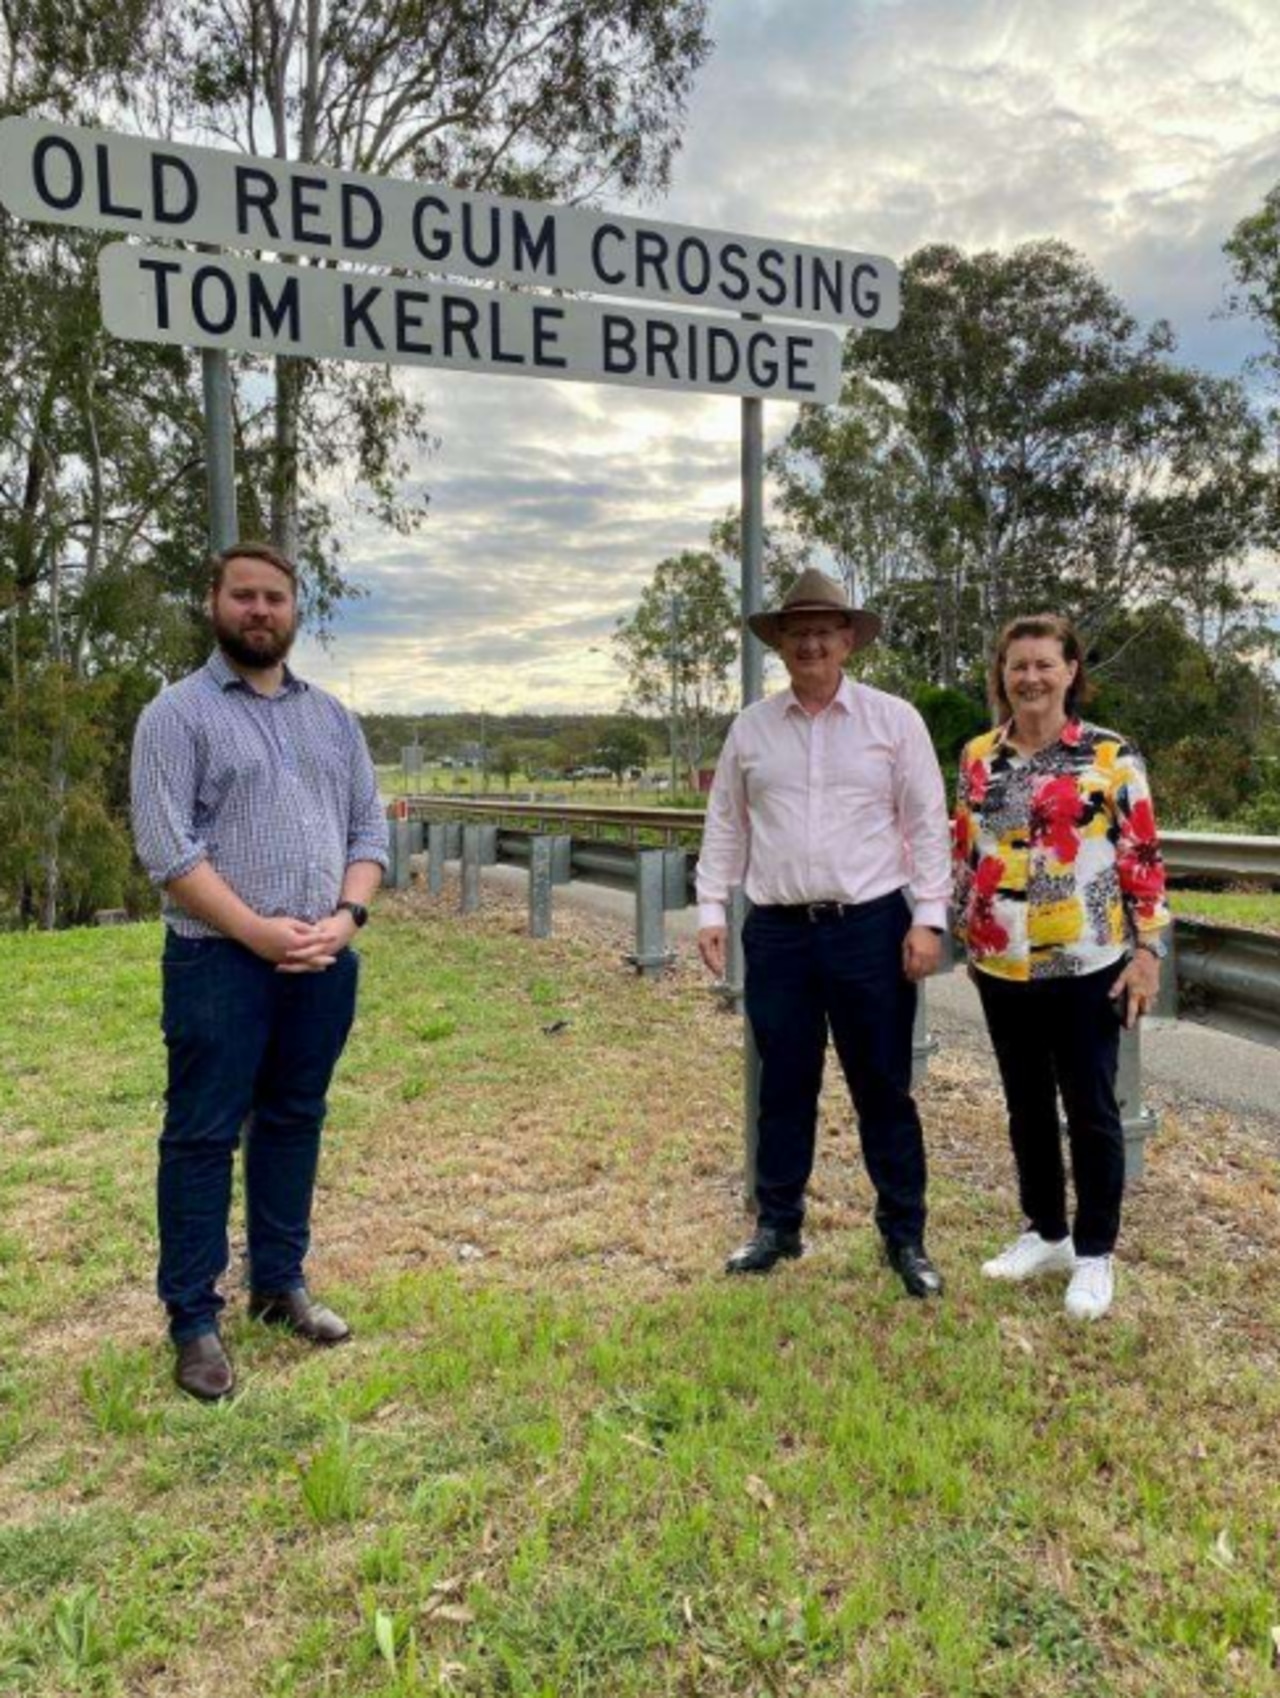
x=1060 y=904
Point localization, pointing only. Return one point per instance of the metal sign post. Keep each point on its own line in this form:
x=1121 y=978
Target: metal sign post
x=219 y=449
x=752 y=690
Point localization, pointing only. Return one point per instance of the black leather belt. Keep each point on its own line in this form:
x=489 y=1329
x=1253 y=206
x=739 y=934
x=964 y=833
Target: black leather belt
x=823 y=913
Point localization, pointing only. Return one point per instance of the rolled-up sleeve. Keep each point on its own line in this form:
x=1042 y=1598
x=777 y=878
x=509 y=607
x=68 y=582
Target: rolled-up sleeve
x=163 y=783
x=367 y=834
x=926 y=829
x=726 y=837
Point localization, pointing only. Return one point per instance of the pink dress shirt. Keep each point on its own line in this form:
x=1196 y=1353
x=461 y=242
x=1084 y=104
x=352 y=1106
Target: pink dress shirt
x=840 y=806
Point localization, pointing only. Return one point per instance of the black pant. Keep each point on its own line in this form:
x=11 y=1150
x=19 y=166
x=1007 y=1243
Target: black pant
x=801 y=975
x=1051 y=1037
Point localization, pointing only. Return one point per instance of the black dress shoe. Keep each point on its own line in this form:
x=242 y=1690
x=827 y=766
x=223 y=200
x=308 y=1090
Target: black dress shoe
x=296 y=1312
x=203 y=1369
x=914 y=1269
x=760 y=1252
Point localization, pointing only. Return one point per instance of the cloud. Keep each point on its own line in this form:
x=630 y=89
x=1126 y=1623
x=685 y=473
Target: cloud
x=1140 y=131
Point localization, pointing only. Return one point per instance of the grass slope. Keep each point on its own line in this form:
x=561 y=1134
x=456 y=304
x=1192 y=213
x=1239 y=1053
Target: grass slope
x=563 y=1456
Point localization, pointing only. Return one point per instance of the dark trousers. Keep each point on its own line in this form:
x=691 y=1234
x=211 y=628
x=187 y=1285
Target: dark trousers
x=844 y=973
x=254 y=1049
x=1062 y=1037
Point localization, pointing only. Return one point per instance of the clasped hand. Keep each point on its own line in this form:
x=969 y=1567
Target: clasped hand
x=298 y=946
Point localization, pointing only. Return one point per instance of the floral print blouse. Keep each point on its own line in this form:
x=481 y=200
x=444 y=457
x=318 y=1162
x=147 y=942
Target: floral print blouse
x=1057 y=864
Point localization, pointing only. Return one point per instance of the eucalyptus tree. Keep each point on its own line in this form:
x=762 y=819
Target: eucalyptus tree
x=538 y=98
x=100 y=496
x=1020 y=440
x=679 y=649
x=1253 y=251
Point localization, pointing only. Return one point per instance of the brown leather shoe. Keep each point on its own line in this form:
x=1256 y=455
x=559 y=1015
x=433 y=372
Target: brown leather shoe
x=297 y=1313
x=203 y=1369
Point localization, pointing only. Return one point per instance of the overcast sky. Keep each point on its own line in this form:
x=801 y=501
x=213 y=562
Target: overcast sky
x=1140 y=131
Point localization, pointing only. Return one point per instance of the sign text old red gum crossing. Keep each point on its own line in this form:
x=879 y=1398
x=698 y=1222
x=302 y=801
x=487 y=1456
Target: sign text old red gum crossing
x=141 y=186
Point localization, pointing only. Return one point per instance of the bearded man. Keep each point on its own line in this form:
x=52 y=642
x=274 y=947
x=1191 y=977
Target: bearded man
x=255 y=809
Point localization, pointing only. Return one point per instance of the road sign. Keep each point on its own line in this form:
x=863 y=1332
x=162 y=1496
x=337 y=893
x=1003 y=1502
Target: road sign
x=201 y=300
x=61 y=174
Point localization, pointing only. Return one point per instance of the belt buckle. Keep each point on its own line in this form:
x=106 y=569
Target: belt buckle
x=824 y=911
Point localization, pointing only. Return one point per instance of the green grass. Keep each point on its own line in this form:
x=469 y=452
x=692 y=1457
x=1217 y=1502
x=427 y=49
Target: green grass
x=1257 y=911
x=563 y=1456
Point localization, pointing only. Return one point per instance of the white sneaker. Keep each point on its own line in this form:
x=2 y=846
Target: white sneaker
x=1031 y=1255
x=1092 y=1287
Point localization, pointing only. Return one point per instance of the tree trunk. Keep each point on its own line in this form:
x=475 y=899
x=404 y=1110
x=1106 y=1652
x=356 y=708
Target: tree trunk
x=52 y=856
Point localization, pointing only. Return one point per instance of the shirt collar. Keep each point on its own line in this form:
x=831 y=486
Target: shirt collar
x=226 y=677
x=1070 y=734
x=842 y=699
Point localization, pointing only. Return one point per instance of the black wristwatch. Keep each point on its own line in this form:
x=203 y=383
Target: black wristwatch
x=357 y=910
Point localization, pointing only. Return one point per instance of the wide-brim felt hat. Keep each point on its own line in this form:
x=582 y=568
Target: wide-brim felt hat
x=814 y=592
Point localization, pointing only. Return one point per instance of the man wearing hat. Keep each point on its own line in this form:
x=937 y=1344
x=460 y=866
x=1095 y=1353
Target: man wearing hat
x=829 y=808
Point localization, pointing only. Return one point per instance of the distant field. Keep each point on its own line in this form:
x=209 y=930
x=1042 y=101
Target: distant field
x=564 y=1456
x=603 y=792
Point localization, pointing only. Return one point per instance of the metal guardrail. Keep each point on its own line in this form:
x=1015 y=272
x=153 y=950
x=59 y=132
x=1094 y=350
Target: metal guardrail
x=1205 y=854
x=1223 y=976
x=1187 y=854
x=1229 y=979
x=668 y=823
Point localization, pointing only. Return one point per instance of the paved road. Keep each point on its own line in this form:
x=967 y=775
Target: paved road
x=1183 y=1062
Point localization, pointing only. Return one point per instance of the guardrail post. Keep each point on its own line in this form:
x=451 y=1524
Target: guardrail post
x=470 y=868
x=452 y=840
x=540 y=852
x=561 y=858
x=675 y=879
x=750 y=1112
x=400 y=854
x=488 y=845
x=436 y=830
x=651 y=954
x=1139 y=1123
x=1166 y=1006
x=415 y=837
x=923 y=1042
x=732 y=987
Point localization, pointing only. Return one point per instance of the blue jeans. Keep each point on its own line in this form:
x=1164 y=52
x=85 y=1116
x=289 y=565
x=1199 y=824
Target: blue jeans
x=846 y=973
x=254 y=1050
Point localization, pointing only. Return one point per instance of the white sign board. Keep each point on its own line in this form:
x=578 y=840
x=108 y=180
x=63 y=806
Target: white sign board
x=203 y=300
x=61 y=174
